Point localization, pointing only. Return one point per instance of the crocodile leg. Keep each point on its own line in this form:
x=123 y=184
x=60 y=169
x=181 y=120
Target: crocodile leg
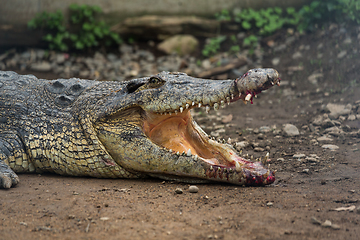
x=12 y=154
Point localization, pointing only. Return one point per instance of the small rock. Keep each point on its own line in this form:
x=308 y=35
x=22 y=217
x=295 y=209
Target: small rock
x=342 y=54
x=60 y=58
x=269 y=204
x=41 y=66
x=358 y=210
x=291 y=130
x=330 y=146
x=306 y=170
x=314 y=77
x=324 y=139
x=335 y=226
x=337 y=110
x=297 y=55
x=264 y=129
x=241 y=145
x=327 y=223
x=227 y=119
x=347 y=41
x=301 y=155
x=193 y=189
x=275 y=61
x=104 y=218
x=178 y=191
x=315 y=221
x=180 y=44
x=259 y=149
x=352 y=117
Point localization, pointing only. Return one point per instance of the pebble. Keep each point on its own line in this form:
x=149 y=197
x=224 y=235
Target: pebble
x=342 y=54
x=41 y=66
x=324 y=139
x=327 y=223
x=269 y=204
x=241 y=145
x=193 y=189
x=291 y=130
x=315 y=221
x=301 y=155
x=337 y=110
x=104 y=218
x=330 y=146
x=275 y=61
x=259 y=149
x=297 y=55
x=178 y=191
x=358 y=210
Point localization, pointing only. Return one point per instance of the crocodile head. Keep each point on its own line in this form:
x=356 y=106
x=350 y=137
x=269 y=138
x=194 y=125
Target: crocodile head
x=147 y=127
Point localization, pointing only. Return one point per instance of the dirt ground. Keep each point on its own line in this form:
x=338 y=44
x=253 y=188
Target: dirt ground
x=305 y=193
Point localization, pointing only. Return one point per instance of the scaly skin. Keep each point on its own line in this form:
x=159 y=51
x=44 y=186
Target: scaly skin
x=132 y=129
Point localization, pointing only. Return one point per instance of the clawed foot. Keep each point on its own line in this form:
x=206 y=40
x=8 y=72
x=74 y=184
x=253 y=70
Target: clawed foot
x=8 y=178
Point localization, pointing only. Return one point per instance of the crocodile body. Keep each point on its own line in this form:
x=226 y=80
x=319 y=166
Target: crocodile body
x=133 y=129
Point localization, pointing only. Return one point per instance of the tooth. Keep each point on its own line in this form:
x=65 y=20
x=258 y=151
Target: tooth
x=252 y=158
x=232 y=96
x=207 y=109
x=248 y=97
x=169 y=113
x=199 y=104
x=211 y=168
x=177 y=153
x=239 y=94
x=170 y=150
x=187 y=106
x=216 y=106
x=183 y=153
x=188 y=153
x=193 y=103
x=244 y=101
x=181 y=109
x=229 y=141
x=165 y=113
x=196 y=157
x=222 y=103
x=278 y=83
x=176 y=111
x=228 y=100
x=237 y=166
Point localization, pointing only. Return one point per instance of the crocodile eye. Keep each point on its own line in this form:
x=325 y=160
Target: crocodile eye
x=156 y=80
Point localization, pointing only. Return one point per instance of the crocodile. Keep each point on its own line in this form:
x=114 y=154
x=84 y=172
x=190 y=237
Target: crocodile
x=133 y=129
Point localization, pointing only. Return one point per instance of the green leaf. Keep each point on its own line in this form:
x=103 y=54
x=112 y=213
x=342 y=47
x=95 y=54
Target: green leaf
x=246 y=25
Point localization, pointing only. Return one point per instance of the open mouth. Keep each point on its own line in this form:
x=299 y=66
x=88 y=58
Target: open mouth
x=177 y=133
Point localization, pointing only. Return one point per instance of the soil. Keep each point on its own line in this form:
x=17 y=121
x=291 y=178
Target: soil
x=304 y=195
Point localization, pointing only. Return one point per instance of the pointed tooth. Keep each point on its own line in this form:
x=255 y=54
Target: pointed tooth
x=232 y=96
x=267 y=156
x=188 y=153
x=187 y=106
x=248 y=97
x=237 y=166
x=199 y=104
x=211 y=168
x=193 y=103
x=207 y=109
x=252 y=158
x=181 y=109
x=196 y=157
x=240 y=152
x=170 y=150
x=183 y=153
x=228 y=101
x=278 y=83
x=216 y=106
x=177 y=153
x=239 y=94
x=169 y=113
x=272 y=83
x=229 y=140
x=165 y=113
x=176 y=112
x=222 y=103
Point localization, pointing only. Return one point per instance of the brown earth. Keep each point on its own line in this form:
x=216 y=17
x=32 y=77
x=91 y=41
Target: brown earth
x=50 y=206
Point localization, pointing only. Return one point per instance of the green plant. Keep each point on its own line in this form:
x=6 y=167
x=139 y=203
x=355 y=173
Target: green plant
x=84 y=30
x=266 y=21
x=213 y=46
